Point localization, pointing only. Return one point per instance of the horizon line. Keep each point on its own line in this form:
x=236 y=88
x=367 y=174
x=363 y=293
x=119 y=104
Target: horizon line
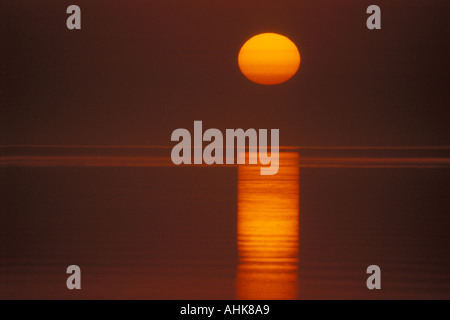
x=281 y=147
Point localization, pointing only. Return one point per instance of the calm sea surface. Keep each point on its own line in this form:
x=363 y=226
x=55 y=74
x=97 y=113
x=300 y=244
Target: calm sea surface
x=162 y=232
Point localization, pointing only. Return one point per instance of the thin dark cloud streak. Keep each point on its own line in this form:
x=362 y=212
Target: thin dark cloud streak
x=149 y=156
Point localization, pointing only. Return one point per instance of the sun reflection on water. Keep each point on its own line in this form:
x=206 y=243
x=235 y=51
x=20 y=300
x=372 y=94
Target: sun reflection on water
x=268 y=209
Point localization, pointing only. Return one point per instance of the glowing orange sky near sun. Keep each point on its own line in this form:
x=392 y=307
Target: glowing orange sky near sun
x=269 y=58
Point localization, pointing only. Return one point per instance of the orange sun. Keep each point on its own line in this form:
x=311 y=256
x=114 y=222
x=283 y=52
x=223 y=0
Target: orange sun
x=269 y=58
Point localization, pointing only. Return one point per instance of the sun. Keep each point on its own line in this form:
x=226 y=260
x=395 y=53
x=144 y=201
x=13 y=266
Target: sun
x=269 y=58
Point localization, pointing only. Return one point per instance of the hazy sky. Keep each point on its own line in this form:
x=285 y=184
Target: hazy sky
x=140 y=69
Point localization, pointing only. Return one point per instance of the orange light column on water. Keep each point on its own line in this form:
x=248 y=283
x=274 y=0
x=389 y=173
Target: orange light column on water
x=268 y=210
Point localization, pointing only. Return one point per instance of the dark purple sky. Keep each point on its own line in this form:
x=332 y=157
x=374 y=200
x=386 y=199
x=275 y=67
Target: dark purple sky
x=140 y=69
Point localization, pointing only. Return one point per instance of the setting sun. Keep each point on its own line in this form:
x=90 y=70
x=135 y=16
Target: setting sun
x=269 y=58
